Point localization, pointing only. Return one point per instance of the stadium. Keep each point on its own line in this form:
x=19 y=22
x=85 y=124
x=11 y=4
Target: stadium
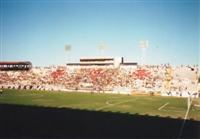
x=100 y=69
x=101 y=91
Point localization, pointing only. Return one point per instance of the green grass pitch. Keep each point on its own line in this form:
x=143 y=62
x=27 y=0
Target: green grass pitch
x=134 y=104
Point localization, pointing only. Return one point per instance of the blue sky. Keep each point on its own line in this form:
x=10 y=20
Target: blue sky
x=37 y=30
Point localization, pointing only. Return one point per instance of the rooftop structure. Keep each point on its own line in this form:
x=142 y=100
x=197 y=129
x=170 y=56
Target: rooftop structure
x=114 y=62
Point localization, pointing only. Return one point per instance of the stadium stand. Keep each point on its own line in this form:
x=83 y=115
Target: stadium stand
x=22 y=65
x=180 y=81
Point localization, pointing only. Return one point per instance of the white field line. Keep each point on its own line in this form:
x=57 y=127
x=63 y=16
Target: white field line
x=111 y=105
x=183 y=124
x=108 y=102
x=163 y=106
x=171 y=110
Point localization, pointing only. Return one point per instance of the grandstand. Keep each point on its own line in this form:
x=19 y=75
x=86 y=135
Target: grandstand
x=105 y=62
x=103 y=74
x=21 y=65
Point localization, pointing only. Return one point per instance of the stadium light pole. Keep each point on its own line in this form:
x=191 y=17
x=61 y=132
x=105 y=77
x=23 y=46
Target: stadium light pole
x=143 y=45
x=102 y=48
x=68 y=50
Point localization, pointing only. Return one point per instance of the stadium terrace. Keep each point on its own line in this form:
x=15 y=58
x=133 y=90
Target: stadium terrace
x=103 y=75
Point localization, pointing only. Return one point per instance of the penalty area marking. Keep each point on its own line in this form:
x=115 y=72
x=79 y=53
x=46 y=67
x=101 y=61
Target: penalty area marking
x=172 y=110
x=110 y=105
x=163 y=106
x=108 y=102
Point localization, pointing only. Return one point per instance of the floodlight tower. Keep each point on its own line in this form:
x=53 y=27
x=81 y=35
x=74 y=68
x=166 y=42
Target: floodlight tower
x=102 y=48
x=144 y=45
x=68 y=50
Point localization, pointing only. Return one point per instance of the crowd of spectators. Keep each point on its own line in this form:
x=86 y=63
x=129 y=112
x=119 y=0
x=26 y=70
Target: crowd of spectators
x=147 y=78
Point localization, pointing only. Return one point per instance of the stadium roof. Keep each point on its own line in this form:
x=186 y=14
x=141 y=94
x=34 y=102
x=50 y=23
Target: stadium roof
x=129 y=63
x=89 y=64
x=15 y=63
